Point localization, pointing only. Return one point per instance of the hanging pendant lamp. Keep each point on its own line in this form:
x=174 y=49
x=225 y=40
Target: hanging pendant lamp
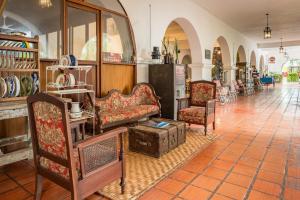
x=281 y=49
x=267 y=30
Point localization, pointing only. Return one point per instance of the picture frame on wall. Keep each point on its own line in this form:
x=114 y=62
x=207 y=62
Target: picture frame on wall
x=207 y=54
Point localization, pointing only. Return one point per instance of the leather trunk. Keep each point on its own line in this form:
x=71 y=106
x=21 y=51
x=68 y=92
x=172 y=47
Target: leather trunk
x=181 y=129
x=147 y=140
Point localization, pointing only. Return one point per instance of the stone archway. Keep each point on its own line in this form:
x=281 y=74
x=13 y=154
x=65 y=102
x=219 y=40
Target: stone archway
x=194 y=46
x=222 y=48
x=261 y=64
x=253 y=59
x=225 y=51
x=241 y=64
x=241 y=55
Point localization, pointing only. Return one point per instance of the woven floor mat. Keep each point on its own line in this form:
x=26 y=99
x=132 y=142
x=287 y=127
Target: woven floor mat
x=142 y=172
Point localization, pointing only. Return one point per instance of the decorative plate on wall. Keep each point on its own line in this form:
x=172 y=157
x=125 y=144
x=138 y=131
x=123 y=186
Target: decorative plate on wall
x=18 y=85
x=3 y=87
x=26 y=86
x=11 y=86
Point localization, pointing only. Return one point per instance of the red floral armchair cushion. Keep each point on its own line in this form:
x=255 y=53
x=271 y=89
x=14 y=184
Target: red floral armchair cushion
x=59 y=169
x=193 y=115
x=50 y=129
x=201 y=93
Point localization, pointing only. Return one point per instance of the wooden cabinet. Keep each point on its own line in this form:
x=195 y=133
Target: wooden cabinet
x=169 y=82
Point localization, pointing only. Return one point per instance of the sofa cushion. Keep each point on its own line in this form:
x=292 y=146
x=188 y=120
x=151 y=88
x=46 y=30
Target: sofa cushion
x=193 y=115
x=128 y=113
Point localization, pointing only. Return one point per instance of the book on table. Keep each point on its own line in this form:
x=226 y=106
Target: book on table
x=155 y=124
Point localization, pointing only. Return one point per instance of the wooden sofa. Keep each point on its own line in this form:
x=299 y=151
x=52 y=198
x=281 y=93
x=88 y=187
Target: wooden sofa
x=117 y=109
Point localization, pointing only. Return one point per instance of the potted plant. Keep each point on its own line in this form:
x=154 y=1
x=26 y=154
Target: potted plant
x=176 y=51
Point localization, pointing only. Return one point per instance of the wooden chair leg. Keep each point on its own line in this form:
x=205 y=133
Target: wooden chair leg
x=214 y=125
x=205 y=130
x=38 y=187
x=122 y=184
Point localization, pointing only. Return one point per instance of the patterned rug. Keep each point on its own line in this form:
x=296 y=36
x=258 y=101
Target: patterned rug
x=142 y=172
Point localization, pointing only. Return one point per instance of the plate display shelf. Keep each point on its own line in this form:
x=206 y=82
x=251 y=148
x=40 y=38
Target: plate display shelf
x=19 y=57
x=59 y=84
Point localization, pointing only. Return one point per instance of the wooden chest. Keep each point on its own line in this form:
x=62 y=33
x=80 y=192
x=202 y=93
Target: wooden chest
x=147 y=140
x=181 y=128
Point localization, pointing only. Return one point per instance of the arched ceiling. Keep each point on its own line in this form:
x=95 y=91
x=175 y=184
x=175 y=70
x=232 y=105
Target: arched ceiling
x=242 y=54
x=173 y=31
x=253 y=58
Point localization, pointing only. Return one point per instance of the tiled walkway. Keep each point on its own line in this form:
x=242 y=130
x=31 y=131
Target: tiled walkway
x=257 y=156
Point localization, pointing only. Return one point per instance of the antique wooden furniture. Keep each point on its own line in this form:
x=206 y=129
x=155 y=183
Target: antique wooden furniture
x=83 y=168
x=12 y=111
x=153 y=141
x=181 y=127
x=95 y=16
x=117 y=109
x=75 y=90
x=19 y=59
x=200 y=107
x=168 y=81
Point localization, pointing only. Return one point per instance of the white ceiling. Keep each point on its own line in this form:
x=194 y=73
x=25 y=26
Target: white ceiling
x=248 y=17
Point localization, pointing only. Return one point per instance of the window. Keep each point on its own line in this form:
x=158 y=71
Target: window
x=82 y=42
x=109 y=4
x=116 y=39
x=28 y=17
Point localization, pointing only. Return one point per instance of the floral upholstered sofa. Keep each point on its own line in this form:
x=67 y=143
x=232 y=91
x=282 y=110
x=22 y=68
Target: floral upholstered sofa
x=117 y=109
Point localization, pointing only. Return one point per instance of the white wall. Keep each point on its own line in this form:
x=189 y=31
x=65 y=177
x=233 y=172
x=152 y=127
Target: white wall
x=293 y=53
x=201 y=27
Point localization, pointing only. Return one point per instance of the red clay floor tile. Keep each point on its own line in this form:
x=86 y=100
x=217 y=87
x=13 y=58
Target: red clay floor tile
x=206 y=182
x=194 y=193
x=156 y=194
x=232 y=191
x=238 y=179
x=267 y=187
x=170 y=186
x=256 y=195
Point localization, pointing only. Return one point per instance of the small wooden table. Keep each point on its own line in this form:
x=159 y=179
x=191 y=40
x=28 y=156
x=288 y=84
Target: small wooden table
x=79 y=123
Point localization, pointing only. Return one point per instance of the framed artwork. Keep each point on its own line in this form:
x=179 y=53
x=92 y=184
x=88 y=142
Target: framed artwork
x=207 y=54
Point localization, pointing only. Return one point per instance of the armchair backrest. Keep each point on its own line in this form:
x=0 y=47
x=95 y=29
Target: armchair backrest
x=201 y=92
x=51 y=138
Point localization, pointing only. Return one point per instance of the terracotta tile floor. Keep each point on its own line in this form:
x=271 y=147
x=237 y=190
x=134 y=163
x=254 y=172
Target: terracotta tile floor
x=256 y=156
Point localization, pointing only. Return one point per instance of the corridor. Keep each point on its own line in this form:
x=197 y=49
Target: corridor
x=256 y=156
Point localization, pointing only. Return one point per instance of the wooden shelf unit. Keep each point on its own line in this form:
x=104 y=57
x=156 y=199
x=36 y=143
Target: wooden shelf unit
x=12 y=108
x=11 y=70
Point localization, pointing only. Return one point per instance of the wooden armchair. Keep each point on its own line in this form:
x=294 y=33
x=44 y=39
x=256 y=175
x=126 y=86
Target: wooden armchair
x=83 y=168
x=200 y=107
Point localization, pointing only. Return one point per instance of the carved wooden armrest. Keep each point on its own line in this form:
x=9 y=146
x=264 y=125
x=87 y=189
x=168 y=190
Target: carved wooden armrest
x=210 y=106
x=100 y=151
